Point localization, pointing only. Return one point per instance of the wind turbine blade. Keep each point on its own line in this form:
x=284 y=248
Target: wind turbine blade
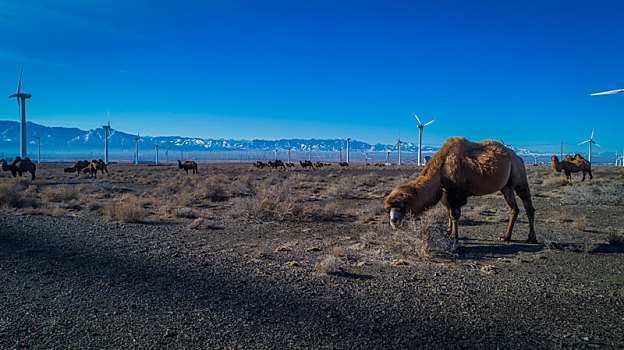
x=19 y=85
x=429 y=122
x=607 y=92
x=584 y=142
x=419 y=122
x=594 y=142
x=592 y=136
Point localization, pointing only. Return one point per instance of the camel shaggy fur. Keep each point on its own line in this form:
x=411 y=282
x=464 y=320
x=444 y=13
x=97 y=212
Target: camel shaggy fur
x=94 y=166
x=571 y=165
x=20 y=166
x=277 y=164
x=188 y=165
x=77 y=167
x=461 y=169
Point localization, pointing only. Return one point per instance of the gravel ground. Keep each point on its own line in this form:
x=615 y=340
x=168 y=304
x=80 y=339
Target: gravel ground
x=79 y=281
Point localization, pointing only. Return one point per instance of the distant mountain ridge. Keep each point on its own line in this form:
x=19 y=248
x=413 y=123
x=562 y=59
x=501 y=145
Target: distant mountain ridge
x=77 y=139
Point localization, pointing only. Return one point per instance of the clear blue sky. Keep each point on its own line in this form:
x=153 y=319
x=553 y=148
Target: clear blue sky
x=322 y=69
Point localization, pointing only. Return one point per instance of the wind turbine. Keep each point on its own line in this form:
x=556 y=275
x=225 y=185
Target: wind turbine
x=166 y=156
x=106 y=135
x=156 y=154
x=136 y=152
x=420 y=131
x=22 y=108
x=610 y=92
x=348 y=139
x=399 y=142
x=591 y=140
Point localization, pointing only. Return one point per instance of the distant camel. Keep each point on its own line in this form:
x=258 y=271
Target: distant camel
x=188 y=165
x=343 y=164
x=77 y=167
x=318 y=164
x=260 y=164
x=380 y=164
x=571 y=165
x=277 y=164
x=307 y=164
x=461 y=169
x=94 y=166
x=327 y=164
x=290 y=165
x=19 y=166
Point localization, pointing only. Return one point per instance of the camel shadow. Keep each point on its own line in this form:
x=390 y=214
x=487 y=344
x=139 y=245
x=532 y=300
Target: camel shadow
x=469 y=249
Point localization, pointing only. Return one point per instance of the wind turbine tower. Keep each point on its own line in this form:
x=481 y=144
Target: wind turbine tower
x=136 y=152
x=399 y=142
x=22 y=108
x=156 y=154
x=420 y=131
x=106 y=136
x=590 y=141
x=348 y=139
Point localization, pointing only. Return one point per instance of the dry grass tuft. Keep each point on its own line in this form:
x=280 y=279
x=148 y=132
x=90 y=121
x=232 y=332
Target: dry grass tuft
x=13 y=194
x=330 y=265
x=129 y=210
x=60 y=193
x=555 y=181
x=580 y=223
x=609 y=193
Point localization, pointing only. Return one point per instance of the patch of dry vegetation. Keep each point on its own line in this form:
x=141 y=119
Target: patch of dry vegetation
x=555 y=181
x=606 y=193
x=13 y=194
x=130 y=210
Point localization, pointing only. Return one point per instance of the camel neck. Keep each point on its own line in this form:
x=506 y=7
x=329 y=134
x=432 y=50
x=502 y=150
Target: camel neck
x=429 y=188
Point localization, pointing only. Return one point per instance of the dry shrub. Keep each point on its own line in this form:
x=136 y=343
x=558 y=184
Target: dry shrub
x=330 y=265
x=370 y=211
x=327 y=213
x=60 y=193
x=130 y=209
x=366 y=180
x=555 y=181
x=185 y=212
x=271 y=202
x=598 y=194
x=212 y=190
x=424 y=236
x=341 y=190
x=242 y=187
x=580 y=223
x=13 y=194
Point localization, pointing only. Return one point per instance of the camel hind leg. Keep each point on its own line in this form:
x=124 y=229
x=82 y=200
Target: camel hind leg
x=510 y=198
x=525 y=195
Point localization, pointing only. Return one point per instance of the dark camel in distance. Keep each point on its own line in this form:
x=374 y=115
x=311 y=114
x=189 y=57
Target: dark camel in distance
x=20 y=166
x=461 y=169
x=571 y=165
x=94 y=166
x=188 y=165
x=77 y=167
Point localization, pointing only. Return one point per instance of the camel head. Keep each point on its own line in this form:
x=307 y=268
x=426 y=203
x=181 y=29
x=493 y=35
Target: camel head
x=400 y=202
x=554 y=162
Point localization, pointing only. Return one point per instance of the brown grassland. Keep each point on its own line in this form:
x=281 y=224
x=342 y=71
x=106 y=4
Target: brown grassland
x=149 y=257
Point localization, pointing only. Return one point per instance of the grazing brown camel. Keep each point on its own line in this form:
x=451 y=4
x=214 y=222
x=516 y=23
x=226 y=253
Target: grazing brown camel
x=318 y=165
x=381 y=165
x=571 y=165
x=188 y=165
x=277 y=164
x=260 y=164
x=20 y=166
x=290 y=165
x=77 y=167
x=343 y=164
x=461 y=169
x=94 y=166
x=306 y=164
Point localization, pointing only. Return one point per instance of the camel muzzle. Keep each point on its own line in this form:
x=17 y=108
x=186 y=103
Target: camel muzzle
x=395 y=217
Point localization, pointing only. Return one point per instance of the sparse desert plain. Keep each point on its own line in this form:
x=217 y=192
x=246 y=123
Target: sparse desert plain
x=238 y=257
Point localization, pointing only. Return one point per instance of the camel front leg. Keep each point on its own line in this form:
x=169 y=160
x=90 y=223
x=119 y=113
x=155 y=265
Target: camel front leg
x=455 y=215
x=583 y=179
x=508 y=193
